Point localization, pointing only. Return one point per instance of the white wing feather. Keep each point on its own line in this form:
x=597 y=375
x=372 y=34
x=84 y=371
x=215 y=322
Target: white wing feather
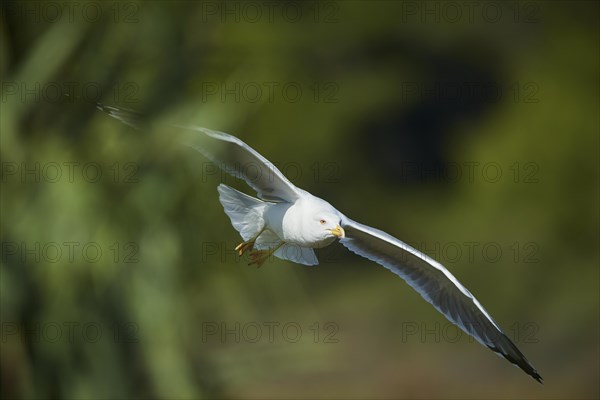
x=437 y=285
x=241 y=161
x=229 y=153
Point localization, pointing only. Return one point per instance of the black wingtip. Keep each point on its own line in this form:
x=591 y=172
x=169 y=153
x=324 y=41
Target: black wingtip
x=518 y=360
x=528 y=369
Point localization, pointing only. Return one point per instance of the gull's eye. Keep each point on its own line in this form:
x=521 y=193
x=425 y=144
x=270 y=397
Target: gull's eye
x=322 y=222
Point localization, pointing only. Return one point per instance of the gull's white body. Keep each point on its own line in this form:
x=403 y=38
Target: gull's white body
x=292 y=222
x=295 y=228
x=289 y=221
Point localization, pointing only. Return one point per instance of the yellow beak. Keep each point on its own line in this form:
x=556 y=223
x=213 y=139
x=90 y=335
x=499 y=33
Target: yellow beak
x=338 y=231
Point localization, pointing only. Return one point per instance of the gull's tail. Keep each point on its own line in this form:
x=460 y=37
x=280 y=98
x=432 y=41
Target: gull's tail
x=245 y=212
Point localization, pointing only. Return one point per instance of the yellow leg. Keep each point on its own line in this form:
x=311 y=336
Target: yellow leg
x=245 y=246
x=248 y=245
x=259 y=257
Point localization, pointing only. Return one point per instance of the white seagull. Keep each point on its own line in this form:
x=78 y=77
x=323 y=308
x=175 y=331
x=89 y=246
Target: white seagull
x=289 y=222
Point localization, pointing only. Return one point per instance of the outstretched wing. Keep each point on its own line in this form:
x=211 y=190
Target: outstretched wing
x=229 y=153
x=437 y=285
x=243 y=162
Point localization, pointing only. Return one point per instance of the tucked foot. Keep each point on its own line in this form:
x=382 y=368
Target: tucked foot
x=244 y=247
x=249 y=244
x=258 y=257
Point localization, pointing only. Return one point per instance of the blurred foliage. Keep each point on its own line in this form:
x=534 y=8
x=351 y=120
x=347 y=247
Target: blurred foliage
x=367 y=132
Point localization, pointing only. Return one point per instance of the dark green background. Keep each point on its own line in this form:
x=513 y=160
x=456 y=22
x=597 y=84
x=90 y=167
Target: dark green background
x=358 y=135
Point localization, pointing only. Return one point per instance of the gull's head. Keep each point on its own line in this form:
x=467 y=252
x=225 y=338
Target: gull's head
x=321 y=222
x=328 y=225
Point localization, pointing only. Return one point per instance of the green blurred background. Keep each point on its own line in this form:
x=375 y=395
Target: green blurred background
x=467 y=129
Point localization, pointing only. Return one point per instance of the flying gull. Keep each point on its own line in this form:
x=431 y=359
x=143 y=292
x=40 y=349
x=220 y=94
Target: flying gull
x=289 y=222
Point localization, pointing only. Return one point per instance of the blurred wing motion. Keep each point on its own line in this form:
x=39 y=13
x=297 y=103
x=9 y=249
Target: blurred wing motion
x=437 y=285
x=126 y=116
x=229 y=153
